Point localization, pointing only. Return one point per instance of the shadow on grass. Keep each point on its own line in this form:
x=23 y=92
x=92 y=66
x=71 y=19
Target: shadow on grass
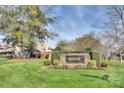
x=92 y=76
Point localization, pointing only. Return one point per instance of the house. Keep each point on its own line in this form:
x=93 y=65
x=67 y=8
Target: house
x=43 y=47
x=8 y=50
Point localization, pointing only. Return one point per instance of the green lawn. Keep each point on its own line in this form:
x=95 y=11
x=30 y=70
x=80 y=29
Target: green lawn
x=33 y=74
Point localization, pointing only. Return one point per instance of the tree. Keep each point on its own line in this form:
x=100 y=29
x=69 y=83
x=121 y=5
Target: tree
x=63 y=45
x=25 y=25
x=87 y=41
x=109 y=45
x=114 y=29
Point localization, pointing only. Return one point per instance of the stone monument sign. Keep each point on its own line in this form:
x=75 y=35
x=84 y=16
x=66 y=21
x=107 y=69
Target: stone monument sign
x=81 y=58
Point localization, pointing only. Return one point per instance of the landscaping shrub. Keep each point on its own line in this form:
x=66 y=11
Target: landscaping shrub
x=56 y=55
x=71 y=66
x=46 y=56
x=89 y=50
x=93 y=55
x=39 y=56
x=105 y=77
x=79 y=66
x=91 y=64
x=103 y=64
x=63 y=66
x=46 y=63
x=96 y=57
x=56 y=62
x=75 y=52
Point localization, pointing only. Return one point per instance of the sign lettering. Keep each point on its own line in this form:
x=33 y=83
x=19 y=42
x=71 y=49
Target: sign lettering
x=74 y=58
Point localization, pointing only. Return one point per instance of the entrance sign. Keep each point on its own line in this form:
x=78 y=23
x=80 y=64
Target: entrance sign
x=74 y=58
x=81 y=58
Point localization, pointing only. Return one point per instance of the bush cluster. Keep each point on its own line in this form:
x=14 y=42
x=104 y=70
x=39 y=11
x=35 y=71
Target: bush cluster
x=96 y=57
x=47 y=56
x=46 y=63
x=103 y=64
x=56 y=55
x=56 y=62
x=92 y=64
x=70 y=66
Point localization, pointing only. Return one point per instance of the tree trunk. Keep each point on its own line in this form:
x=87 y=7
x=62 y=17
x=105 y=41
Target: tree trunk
x=30 y=50
x=121 y=55
x=21 y=48
x=111 y=58
x=106 y=58
x=121 y=59
x=30 y=46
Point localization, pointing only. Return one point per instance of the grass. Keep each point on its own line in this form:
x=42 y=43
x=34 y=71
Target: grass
x=34 y=75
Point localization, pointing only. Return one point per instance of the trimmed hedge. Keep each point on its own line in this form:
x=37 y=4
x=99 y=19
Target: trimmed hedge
x=96 y=56
x=103 y=64
x=56 y=62
x=93 y=55
x=91 y=64
x=46 y=63
x=56 y=54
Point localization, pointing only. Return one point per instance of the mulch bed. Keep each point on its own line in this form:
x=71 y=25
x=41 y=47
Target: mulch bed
x=25 y=59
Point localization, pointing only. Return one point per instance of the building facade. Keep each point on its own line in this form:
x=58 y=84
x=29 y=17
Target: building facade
x=8 y=50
